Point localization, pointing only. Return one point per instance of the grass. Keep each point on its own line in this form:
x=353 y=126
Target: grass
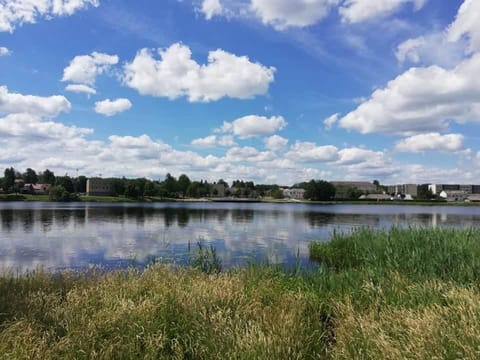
x=399 y=294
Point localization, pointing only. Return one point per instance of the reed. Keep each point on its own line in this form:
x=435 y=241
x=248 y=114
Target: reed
x=398 y=294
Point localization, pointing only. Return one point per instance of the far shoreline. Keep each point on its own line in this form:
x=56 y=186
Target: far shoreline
x=113 y=199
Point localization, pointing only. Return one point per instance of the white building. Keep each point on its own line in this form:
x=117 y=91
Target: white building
x=296 y=194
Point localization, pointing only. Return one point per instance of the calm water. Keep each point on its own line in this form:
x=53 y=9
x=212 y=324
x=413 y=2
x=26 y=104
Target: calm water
x=76 y=235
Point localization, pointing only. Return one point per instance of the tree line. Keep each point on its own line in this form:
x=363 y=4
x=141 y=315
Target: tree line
x=67 y=188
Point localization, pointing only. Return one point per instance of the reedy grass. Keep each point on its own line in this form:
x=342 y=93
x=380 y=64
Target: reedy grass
x=375 y=295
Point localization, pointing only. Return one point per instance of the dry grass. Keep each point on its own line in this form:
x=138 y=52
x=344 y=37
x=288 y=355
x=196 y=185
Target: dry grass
x=348 y=310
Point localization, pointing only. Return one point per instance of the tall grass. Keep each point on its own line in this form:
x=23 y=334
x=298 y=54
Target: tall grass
x=401 y=294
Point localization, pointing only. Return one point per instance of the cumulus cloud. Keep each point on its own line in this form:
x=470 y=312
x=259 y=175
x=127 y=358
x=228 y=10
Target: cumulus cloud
x=282 y=14
x=467 y=24
x=79 y=88
x=84 y=69
x=253 y=125
x=176 y=74
x=14 y=103
x=249 y=154
x=112 y=107
x=431 y=49
x=275 y=143
x=331 y=120
x=310 y=152
x=214 y=141
x=4 y=51
x=32 y=127
x=355 y=11
x=15 y=13
x=421 y=100
x=210 y=8
x=431 y=142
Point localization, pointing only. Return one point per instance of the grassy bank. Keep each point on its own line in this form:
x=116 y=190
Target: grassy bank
x=376 y=295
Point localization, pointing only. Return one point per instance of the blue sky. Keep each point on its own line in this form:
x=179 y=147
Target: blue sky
x=274 y=91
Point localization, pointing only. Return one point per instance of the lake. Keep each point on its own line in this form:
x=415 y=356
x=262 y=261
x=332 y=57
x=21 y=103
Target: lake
x=77 y=235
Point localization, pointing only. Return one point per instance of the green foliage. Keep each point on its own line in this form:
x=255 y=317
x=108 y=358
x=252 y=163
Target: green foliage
x=59 y=193
x=47 y=177
x=277 y=193
x=206 y=259
x=30 y=176
x=319 y=190
x=9 y=178
x=398 y=294
x=183 y=184
x=66 y=182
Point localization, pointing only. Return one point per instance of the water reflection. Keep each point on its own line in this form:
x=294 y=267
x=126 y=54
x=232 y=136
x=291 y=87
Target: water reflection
x=59 y=236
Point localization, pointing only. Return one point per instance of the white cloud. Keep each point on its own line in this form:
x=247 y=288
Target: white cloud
x=275 y=143
x=467 y=24
x=253 y=125
x=311 y=152
x=4 y=51
x=355 y=11
x=32 y=127
x=355 y=156
x=15 y=13
x=84 y=69
x=249 y=154
x=331 y=120
x=282 y=14
x=176 y=74
x=112 y=107
x=431 y=142
x=79 y=88
x=214 y=141
x=14 y=103
x=421 y=100
x=210 y=8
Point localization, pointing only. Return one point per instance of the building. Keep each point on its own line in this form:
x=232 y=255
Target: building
x=403 y=189
x=37 y=189
x=99 y=187
x=295 y=194
x=363 y=186
x=218 y=190
x=454 y=195
x=376 y=197
x=436 y=189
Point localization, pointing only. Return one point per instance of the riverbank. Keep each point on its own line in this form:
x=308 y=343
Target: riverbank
x=380 y=295
x=121 y=199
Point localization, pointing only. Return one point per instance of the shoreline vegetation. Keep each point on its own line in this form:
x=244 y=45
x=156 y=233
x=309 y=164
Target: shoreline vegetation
x=394 y=294
x=152 y=199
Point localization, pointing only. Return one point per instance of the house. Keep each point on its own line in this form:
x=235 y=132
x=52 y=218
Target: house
x=403 y=189
x=363 y=186
x=218 y=190
x=376 y=197
x=454 y=195
x=37 y=189
x=295 y=194
x=99 y=187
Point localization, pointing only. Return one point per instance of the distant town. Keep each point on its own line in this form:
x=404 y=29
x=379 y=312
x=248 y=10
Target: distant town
x=67 y=188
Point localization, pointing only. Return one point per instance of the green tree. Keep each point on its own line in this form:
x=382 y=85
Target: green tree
x=183 y=183
x=66 y=182
x=149 y=189
x=48 y=177
x=170 y=185
x=9 y=179
x=319 y=190
x=277 y=193
x=30 y=176
x=132 y=191
x=58 y=193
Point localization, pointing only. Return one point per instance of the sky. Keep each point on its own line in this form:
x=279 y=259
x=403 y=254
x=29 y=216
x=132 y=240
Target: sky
x=274 y=91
